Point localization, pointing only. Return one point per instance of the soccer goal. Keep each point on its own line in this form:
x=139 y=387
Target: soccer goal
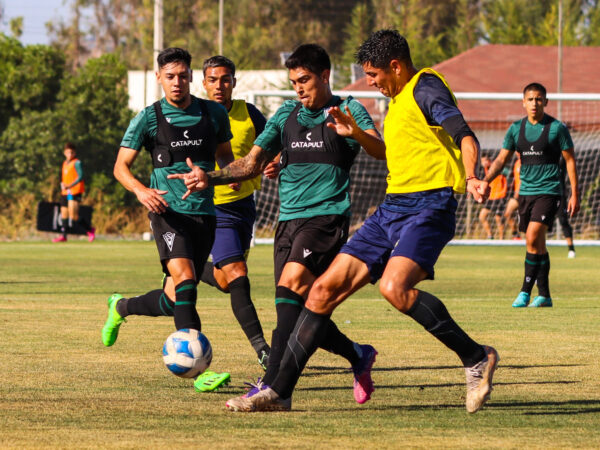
x=489 y=115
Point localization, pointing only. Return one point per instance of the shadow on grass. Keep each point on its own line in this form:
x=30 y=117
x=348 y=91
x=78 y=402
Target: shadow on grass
x=423 y=386
x=324 y=370
x=555 y=408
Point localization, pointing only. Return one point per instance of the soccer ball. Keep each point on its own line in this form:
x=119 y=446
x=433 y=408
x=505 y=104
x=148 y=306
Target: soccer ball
x=187 y=353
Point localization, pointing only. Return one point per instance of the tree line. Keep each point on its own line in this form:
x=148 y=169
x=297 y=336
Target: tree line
x=75 y=88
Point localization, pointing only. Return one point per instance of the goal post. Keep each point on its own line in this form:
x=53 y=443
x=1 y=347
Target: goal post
x=489 y=115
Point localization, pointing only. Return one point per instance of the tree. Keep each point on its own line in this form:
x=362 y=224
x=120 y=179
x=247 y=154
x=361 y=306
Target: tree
x=361 y=24
x=16 y=26
x=93 y=110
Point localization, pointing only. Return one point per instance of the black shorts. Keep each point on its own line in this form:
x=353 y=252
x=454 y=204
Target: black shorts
x=312 y=242
x=495 y=206
x=64 y=199
x=183 y=236
x=537 y=208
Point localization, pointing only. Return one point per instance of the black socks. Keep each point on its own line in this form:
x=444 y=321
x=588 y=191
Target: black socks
x=185 y=312
x=532 y=268
x=309 y=332
x=431 y=313
x=245 y=313
x=154 y=304
x=537 y=268
x=543 y=275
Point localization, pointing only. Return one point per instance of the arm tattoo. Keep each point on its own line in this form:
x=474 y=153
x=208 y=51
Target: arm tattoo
x=241 y=169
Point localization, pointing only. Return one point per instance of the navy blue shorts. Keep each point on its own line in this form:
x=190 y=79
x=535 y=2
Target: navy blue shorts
x=419 y=236
x=235 y=222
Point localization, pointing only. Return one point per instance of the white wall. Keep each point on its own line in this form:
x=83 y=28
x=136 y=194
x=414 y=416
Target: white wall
x=143 y=92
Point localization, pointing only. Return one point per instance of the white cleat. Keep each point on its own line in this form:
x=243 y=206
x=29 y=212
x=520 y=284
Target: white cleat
x=266 y=400
x=479 y=380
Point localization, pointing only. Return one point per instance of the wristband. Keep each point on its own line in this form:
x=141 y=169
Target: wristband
x=470 y=178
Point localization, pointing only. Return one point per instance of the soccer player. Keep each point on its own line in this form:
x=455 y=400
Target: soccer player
x=495 y=203
x=431 y=154
x=177 y=128
x=72 y=188
x=318 y=143
x=236 y=210
x=513 y=203
x=540 y=141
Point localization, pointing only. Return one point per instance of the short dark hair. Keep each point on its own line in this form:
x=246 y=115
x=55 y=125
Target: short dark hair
x=381 y=47
x=535 y=87
x=174 y=54
x=70 y=146
x=309 y=56
x=218 y=61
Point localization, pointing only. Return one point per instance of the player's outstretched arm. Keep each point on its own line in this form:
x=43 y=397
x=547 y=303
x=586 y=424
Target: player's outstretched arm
x=224 y=157
x=150 y=198
x=345 y=125
x=241 y=169
x=573 y=205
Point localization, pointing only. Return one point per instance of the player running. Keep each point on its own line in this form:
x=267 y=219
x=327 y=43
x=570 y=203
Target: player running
x=540 y=140
x=495 y=202
x=177 y=128
x=427 y=141
x=318 y=144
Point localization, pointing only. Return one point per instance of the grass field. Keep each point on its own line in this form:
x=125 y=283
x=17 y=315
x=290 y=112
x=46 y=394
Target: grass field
x=60 y=388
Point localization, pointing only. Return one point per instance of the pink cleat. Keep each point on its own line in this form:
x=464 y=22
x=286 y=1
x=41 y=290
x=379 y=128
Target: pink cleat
x=363 y=384
x=60 y=238
x=91 y=234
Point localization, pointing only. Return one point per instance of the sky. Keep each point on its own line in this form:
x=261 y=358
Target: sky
x=35 y=14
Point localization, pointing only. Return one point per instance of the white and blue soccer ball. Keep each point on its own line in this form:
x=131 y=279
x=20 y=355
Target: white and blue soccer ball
x=187 y=353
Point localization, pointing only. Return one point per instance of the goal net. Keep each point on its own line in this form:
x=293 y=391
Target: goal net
x=489 y=115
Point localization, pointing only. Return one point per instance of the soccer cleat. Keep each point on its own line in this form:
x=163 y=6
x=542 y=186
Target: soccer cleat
x=255 y=388
x=211 y=381
x=110 y=330
x=363 y=384
x=541 y=302
x=571 y=254
x=60 y=238
x=479 y=380
x=263 y=358
x=265 y=400
x=91 y=234
x=522 y=300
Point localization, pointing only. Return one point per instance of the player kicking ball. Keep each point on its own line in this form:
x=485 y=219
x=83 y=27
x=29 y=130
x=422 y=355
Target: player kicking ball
x=431 y=155
x=177 y=128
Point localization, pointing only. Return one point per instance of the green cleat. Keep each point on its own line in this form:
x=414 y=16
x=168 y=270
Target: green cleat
x=211 y=381
x=541 y=302
x=110 y=330
x=522 y=300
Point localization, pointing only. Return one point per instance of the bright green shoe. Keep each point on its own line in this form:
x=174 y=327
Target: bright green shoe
x=110 y=330
x=211 y=381
x=541 y=302
x=522 y=300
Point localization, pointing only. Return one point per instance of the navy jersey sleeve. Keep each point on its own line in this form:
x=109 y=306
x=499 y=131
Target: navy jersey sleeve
x=438 y=107
x=257 y=118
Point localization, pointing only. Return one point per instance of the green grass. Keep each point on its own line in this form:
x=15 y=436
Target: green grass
x=59 y=387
